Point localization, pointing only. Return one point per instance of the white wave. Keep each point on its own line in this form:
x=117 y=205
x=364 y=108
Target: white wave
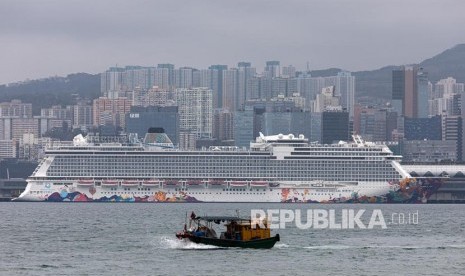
x=329 y=246
x=281 y=245
x=174 y=243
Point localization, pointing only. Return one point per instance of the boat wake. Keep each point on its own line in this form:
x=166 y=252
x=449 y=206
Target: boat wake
x=328 y=247
x=174 y=243
x=281 y=245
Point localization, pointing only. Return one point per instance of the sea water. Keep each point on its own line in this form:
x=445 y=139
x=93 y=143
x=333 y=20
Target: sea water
x=138 y=239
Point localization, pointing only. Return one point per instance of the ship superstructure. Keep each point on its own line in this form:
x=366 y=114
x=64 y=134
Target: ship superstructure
x=279 y=168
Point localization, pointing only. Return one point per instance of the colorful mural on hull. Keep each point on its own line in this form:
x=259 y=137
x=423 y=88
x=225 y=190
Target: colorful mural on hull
x=407 y=191
x=160 y=196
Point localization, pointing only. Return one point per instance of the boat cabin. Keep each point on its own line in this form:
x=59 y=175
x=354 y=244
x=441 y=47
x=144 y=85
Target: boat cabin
x=242 y=229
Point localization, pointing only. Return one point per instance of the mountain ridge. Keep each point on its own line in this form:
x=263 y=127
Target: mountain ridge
x=371 y=86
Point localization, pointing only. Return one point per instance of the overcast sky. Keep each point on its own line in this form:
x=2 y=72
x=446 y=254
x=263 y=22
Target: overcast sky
x=46 y=38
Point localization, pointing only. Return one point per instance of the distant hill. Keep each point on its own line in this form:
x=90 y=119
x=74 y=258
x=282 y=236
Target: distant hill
x=450 y=63
x=376 y=84
x=371 y=86
x=52 y=91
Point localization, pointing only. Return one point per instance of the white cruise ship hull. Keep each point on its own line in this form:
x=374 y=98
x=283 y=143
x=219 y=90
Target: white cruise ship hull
x=361 y=192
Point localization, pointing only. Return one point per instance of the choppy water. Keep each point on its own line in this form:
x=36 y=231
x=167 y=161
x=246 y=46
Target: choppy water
x=138 y=239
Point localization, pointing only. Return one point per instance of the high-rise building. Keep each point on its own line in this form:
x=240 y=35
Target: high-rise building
x=452 y=131
x=137 y=77
x=244 y=74
x=108 y=111
x=334 y=126
x=7 y=149
x=82 y=115
x=223 y=128
x=160 y=77
x=183 y=77
x=278 y=87
x=111 y=80
x=446 y=98
x=423 y=128
x=195 y=115
x=218 y=98
x=230 y=87
x=374 y=124
x=424 y=93
x=344 y=87
x=16 y=108
x=286 y=123
x=244 y=127
x=273 y=69
x=170 y=68
x=405 y=90
x=327 y=100
x=288 y=72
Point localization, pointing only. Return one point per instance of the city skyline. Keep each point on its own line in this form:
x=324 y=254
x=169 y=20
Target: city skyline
x=61 y=38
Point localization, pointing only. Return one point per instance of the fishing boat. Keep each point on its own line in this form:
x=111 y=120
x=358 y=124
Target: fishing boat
x=238 y=232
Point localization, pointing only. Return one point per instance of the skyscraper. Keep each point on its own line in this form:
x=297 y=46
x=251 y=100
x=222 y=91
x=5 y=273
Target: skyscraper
x=244 y=74
x=273 y=69
x=218 y=99
x=230 y=87
x=110 y=111
x=424 y=91
x=405 y=90
x=170 y=68
x=195 y=115
x=183 y=77
x=111 y=80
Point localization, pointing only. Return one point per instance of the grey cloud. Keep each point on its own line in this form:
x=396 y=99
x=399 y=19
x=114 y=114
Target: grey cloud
x=42 y=38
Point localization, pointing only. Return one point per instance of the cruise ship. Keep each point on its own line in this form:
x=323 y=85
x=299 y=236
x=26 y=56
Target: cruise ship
x=278 y=168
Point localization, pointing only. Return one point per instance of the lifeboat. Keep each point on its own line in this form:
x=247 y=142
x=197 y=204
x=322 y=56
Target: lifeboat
x=193 y=182
x=110 y=183
x=130 y=183
x=274 y=184
x=238 y=184
x=171 y=182
x=85 y=182
x=216 y=182
x=151 y=183
x=258 y=183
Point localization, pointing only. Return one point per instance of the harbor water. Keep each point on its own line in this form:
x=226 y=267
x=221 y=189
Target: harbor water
x=138 y=239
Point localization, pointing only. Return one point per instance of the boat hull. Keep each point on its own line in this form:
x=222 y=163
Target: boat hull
x=415 y=191
x=256 y=244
